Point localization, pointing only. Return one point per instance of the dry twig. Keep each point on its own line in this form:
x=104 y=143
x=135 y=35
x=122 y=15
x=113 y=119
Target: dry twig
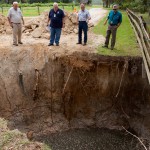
x=81 y=83
x=52 y=95
x=135 y=137
x=125 y=66
x=67 y=80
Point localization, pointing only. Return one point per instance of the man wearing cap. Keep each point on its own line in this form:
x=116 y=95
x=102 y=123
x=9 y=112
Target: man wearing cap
x=15 y=19
x=83 y=18
x=57 y=22
x=114 y=20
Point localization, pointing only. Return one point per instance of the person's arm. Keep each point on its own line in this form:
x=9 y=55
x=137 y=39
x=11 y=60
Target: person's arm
x=77 y=19
x=8 y=17
x=22 y=20
x=10 y=23
x=117 y=26
x=48 y=20
x=89 y=16
x=120 y=21
x=22 y=17
x=63 y=20
x=106 y=20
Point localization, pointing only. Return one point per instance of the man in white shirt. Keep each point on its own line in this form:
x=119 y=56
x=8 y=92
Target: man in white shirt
x=83 y=18
x=15 y=19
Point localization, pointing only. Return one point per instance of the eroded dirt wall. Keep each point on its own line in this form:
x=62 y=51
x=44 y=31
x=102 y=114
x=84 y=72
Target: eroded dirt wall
x=51 y=93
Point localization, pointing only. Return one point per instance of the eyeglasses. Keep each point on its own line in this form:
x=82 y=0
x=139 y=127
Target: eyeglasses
x=114 y=9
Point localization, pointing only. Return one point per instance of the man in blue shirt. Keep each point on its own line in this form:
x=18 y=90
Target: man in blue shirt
x=56 y=18
x=83 y=18
x=114 y=20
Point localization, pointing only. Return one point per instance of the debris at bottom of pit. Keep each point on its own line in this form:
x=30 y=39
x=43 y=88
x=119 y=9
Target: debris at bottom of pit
x=91 y=139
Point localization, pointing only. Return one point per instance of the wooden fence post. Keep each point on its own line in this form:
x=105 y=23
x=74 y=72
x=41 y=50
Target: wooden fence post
x=72 y=7
x=38 y=10
x=144 y=23
x=2 y=10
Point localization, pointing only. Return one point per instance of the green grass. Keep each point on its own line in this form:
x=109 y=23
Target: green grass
x=126 y=43
x=33 y=11
x=15 y=139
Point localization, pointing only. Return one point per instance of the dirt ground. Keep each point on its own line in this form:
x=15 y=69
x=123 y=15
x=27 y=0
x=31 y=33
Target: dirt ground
x=69 y=78
x=67 y=42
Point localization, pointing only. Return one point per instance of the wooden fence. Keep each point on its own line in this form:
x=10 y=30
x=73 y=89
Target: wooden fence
x=143 y=39
x=37 y=10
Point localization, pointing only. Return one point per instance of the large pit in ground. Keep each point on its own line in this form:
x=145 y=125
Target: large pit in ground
x=44 y=91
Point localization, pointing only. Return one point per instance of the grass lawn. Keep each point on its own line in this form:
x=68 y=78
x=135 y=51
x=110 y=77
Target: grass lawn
x=126 y=43
x=33 y=11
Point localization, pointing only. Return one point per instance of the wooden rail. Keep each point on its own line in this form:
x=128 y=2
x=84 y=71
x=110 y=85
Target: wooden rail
x=142 y=38
x=37 y=9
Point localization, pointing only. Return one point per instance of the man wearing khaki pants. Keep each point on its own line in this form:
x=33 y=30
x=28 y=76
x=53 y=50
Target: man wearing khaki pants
x=114 y=20
x=15 y=19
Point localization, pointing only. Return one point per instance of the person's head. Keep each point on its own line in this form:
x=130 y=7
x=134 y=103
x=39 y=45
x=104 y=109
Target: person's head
x=82 y=7
x=15 y=5
x=55 y=6
x=115 y=8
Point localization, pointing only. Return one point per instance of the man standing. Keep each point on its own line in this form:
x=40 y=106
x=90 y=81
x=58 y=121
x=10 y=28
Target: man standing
x=83 y=18
x=56 y=18
x=15 y=19
x=114 y=20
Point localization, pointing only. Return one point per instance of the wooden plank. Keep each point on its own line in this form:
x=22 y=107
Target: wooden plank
x=142 y=26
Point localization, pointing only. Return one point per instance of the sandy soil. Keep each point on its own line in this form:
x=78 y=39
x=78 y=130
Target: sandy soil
x=97 y=14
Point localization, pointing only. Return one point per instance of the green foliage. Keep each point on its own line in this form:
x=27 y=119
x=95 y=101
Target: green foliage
x=37 y=4
x=136 y=5
x=14 y=139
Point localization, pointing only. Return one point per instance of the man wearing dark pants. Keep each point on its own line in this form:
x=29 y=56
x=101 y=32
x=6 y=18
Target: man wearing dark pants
x=83 y=18
x=56 y=16
x=114 y=20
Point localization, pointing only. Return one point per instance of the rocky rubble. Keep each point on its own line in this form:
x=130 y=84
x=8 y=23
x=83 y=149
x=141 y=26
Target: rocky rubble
x=36 y=27
x=4 y=25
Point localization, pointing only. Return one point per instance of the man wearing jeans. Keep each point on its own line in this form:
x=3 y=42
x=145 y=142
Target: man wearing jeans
x=114 y=20
x=83 y=18
x=56 y=18
x=15 y=19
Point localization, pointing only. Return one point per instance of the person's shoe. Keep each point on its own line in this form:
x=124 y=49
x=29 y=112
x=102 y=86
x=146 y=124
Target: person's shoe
x=57 y=44
x=79 y=43
x=15 y=44
x=84 y=44
x=20 y=43
x=50 y=44
x=105 y=46
x=111 y=48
